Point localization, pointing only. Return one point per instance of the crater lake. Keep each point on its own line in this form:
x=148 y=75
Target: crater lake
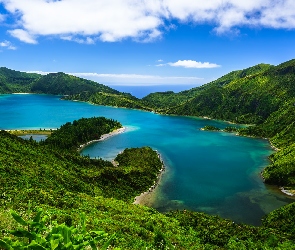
x=213 y=172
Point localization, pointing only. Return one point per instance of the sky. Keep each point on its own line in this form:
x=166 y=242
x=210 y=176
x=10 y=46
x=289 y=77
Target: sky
x=157 y=45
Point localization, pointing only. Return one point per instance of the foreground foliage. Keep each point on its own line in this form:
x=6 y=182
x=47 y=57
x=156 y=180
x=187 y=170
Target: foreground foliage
x=40 y=236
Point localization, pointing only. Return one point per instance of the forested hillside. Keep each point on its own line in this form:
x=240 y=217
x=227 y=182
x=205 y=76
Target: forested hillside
x=15 y=81
x=72 y=135
x=111 y=99
x=12 y=81
x=248 y=96
x=66 y=185
x=64 y=84
x=164 y=101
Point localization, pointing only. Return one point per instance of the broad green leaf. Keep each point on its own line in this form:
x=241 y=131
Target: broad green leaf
x=4 y=245
x=23 y=233
x=107 y=244
x=54 y=244
x=66 y=233
x=18 y=218
x=36 y=246
x=38 y=216
x=93 y=245
x=97 y=232
x=57 y=236
x=69 y=245
x=83 y=222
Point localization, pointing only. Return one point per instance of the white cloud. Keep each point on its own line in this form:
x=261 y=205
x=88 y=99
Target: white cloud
x=145 y=20
x=87 y=40
x=134 y=79
x=137 y=79
x=23 y=35
x=107 y=20
x=8 y=45
x=39 y=72
x=190 y=64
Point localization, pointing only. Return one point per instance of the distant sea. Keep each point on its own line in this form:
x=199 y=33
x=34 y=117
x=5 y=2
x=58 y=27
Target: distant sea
x=142 y=91
x=213 y=172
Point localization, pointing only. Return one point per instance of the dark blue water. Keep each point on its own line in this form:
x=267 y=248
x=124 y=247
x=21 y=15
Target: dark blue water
x=213 y=172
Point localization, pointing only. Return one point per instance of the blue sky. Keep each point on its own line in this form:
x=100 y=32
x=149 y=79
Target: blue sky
x=155 y=44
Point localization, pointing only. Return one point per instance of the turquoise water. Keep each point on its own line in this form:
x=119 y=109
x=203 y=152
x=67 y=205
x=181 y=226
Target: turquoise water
x=213 y=172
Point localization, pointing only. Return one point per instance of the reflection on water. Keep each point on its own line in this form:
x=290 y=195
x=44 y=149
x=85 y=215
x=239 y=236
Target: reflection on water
x=37 y=138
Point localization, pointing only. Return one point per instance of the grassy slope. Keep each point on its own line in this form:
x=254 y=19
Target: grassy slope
x=65 y=185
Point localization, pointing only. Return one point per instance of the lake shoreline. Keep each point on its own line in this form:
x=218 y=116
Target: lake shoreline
x=148 y=196
x=103 y=137
x=19 y=132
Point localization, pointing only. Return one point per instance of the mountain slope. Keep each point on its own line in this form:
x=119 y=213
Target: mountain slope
x=163 y=101
x=15 y=81
x=250 y=99
x=64 y=84
x=65 y=185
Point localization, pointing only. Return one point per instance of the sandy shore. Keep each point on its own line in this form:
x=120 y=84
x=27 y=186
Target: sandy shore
x=287 y=192
x=146 y=198
x=30 y=131
x=103 y=137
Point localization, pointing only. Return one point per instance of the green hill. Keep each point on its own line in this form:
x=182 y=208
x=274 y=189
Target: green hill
x=164 y=101
x=116 y=99
x=12 y=81
x=247 y=96
x=64 y=84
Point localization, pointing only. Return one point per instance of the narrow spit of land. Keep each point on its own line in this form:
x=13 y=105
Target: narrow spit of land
x=147 y=198
x=103 y=137
x=30 y=131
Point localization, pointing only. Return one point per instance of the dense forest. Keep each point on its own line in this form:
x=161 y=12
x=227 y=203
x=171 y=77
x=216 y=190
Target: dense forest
x=79 y=132
x=65 y=184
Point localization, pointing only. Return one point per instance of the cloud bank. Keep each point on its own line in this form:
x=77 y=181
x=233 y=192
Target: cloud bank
x=191 y=64
x=134 y=79
x=89 y=21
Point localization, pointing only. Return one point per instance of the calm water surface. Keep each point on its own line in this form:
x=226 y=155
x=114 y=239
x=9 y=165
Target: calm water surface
x=212 y=172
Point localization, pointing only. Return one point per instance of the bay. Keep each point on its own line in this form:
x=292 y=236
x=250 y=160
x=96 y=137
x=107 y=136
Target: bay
x=213 y=172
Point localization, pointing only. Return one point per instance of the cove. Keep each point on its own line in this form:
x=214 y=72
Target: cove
x=213 y=172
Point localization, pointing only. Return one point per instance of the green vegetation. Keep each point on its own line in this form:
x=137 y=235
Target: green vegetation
x=210 y=128
x=65 y=185
x=30 y=131
x=170 y=102
x=64 y=84
x=54 y=236
x=111 y=99
x=137 y=170
x=231 y=129
x=228 y=129
x=12 y=81
x=72 y=135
